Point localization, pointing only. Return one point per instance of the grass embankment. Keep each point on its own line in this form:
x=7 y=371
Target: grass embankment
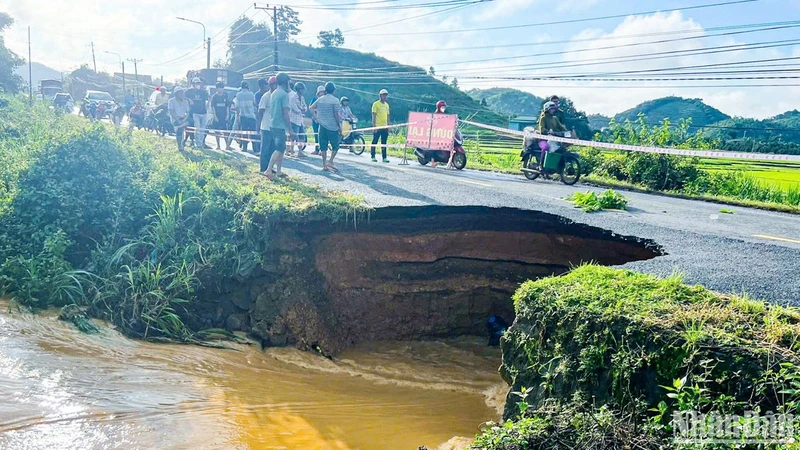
x=127 y=227
x=601 y=358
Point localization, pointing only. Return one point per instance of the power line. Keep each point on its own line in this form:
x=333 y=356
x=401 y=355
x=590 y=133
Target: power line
x=362 y=7
x=633 y=44
x=561 y=22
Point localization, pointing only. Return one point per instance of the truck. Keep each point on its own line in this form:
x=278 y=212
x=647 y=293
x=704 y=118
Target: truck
x=49 y=88
x=210 y=77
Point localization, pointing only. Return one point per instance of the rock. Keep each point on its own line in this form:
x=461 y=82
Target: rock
x=238 y=322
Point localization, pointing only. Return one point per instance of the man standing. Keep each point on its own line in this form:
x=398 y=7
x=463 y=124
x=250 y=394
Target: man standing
x=246 y=108
x=263 y=88
x=219 y=110
x=280 y=124
x=380 y=118
x=328 y=113
x=265 y=121
x=179 y=109
x=297 y=112
x=198 y=96
x=314 y=123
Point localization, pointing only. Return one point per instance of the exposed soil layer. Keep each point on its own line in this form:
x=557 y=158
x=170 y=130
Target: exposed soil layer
x=407 y=273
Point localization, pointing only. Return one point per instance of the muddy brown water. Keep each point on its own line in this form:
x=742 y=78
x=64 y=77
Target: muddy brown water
x=60 y=389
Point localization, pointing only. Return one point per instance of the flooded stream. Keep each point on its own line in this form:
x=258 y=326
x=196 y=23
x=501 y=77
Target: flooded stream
x=60 y=389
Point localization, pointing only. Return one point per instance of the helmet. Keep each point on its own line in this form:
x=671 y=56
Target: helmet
x=548 y=105
x=272 y=80
x=299 y=86
x=383 y=91
x=343 y=99
x=196 y=80
x=440 y=104
x=320 y=89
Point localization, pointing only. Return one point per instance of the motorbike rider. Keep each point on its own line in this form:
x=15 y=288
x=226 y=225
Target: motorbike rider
x=559 y=112
x=549 y=123
x=348 y=119
x=441 y=107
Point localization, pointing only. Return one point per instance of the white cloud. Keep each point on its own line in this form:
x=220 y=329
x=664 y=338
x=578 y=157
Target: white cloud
x=735 y=101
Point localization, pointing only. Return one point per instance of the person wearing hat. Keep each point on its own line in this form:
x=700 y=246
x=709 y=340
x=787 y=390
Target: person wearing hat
x=179 y=110
x=198 y=97
x=314 y=123
x=328 y=113
x=265 y=122
x=380 y=118
x=297 y=112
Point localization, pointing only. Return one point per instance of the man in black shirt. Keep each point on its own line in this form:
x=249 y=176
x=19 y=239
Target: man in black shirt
x=198 y=97
x=219 y=108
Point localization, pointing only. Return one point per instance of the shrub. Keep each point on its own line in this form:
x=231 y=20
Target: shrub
x=590 y=202
x=647 y=347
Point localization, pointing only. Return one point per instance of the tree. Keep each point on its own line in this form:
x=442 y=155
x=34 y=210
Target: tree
x=243 y=43
x=288 y=23
x=220 y=63
x=444 y=78
x=9 y=81
x=329 y=39
x=454 y=83
x=431 y=71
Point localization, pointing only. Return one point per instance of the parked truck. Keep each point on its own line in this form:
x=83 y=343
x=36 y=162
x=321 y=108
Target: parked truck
x=49 y=88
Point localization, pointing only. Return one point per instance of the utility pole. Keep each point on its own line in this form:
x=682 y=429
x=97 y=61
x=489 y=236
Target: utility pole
x=30 y=69
x=136 y=72
x=94 y=60
x=206 y=42
x=274 y=32
x=208 y=53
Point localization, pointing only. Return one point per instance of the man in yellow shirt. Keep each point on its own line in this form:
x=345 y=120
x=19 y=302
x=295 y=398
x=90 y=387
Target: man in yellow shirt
x=380 y=118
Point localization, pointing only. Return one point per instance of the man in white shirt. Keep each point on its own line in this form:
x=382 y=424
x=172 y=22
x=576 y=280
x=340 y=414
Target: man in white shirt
x=297 y=111
x=179 y=115
x=264 y=119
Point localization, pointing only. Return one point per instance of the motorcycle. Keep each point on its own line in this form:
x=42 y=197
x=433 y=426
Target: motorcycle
x=557 y=160
x=354 y=138
x=424 y=156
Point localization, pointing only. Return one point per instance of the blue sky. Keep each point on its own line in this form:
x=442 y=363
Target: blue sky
x=147 y=29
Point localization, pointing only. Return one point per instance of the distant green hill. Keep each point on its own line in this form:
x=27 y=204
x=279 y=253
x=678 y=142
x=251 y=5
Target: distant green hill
x=360 y=76
x=513 y=102
x=783 y=127
x=509 y=102
x=675 y=109
x=598 y=121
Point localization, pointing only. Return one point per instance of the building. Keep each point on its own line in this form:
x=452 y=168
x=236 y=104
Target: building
x=519 y=123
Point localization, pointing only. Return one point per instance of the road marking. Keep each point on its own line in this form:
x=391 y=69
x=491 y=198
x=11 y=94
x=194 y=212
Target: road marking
x=474 y=182
x=777 y=238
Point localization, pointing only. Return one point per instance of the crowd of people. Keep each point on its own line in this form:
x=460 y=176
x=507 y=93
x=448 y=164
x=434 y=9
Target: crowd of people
x=272 y=119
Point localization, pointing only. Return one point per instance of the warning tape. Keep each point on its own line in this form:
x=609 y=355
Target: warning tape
x=638 y=148
x=258 y=133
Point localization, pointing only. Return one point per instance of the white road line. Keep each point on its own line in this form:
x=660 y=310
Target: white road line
x=777 y=238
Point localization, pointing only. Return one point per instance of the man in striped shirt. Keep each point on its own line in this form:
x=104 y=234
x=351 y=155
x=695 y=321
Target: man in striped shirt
x=328 y=112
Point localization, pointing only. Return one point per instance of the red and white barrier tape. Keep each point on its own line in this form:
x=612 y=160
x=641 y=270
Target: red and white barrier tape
x=211 y=131
x=639 y=148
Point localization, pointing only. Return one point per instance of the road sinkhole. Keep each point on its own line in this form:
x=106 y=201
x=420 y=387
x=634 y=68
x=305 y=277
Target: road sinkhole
x=406 y=273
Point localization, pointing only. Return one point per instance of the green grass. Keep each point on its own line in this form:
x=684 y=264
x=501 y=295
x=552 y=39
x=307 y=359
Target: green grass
x=631 y=349
x=125 y=226
x=591 y=202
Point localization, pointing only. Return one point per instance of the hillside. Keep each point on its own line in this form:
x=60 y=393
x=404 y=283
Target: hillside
x=40 y=72
x=509 y=102
x=360 y=76
x=783 y=127
x=598 y=121
x=675 y=109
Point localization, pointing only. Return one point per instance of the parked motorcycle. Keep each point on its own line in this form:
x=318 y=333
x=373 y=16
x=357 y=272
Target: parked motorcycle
x=424 y=156
x=354 y=138
x=557 y=160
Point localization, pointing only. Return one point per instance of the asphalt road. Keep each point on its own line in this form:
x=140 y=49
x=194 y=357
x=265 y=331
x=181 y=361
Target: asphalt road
x=751 y=251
